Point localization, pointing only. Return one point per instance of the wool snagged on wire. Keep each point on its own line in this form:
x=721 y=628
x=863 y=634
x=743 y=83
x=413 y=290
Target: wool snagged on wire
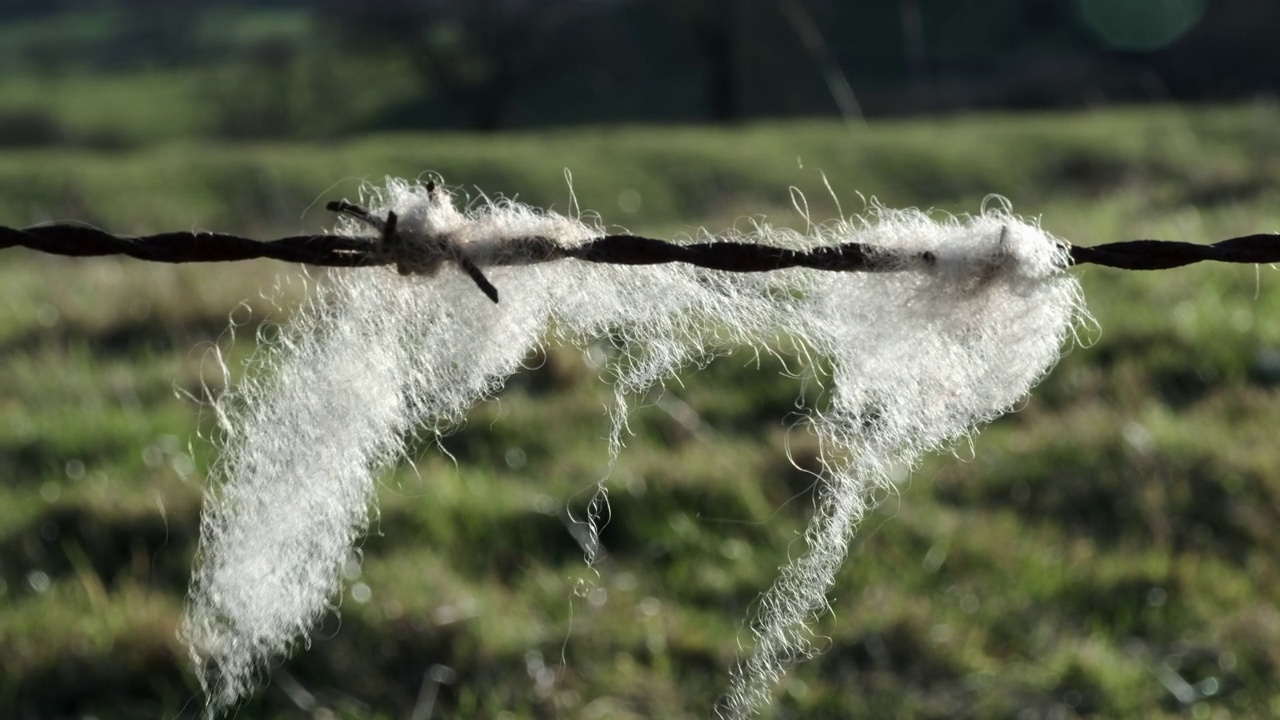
x=917 y=358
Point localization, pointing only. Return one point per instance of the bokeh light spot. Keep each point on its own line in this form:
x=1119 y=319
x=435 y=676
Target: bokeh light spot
x=1141 y=25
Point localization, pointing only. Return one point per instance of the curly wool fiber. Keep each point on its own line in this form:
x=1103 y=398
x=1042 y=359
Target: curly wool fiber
x=918 y=359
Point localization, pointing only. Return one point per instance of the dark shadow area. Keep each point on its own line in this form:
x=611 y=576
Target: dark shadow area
x=126 y=338
x=146 y=548
x=140 y=678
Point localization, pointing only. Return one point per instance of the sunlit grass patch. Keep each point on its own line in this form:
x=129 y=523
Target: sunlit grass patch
x=1120 y=526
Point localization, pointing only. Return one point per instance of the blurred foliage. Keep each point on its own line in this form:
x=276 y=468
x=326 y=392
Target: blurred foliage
x=1109 y=550
x=326 y=68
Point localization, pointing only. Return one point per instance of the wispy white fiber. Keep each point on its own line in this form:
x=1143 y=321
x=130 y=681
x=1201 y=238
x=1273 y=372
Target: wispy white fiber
x=918 y=359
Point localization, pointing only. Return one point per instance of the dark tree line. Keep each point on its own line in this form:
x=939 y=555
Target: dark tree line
x=498 y=63
x=489 y=64
x=478 y=56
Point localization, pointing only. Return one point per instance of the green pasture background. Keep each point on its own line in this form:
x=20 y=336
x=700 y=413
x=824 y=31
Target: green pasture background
x=1111 y=549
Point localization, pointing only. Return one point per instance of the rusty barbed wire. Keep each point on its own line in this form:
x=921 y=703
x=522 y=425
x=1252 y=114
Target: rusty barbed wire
x=74 y=240
x=1259 y=249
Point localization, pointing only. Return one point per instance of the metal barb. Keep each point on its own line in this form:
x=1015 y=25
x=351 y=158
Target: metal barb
x=342 y=207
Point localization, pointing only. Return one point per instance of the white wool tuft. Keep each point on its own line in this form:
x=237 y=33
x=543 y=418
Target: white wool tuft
x=918 y=358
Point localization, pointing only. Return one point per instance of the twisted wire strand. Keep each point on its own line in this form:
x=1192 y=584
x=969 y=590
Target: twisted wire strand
x=1261 y=249
x=341 y=251
x=188 y=247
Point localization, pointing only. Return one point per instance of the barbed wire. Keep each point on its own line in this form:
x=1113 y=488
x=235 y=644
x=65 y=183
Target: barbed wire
x=74 y=240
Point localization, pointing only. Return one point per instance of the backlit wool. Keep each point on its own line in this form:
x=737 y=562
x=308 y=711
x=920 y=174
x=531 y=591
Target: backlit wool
x=918 y=359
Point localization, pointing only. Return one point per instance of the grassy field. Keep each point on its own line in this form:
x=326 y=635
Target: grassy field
x=1110 y=550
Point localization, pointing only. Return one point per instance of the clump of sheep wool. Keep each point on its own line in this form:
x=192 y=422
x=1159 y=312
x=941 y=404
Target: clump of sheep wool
x=916 y=360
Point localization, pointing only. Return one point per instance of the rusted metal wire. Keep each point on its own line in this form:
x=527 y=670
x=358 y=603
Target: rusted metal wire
x=188 y=247
x=340 y=251
x=1260 y=249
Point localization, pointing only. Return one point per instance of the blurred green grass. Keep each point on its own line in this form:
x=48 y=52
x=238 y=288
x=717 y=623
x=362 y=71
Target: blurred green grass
x=1116 y=536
